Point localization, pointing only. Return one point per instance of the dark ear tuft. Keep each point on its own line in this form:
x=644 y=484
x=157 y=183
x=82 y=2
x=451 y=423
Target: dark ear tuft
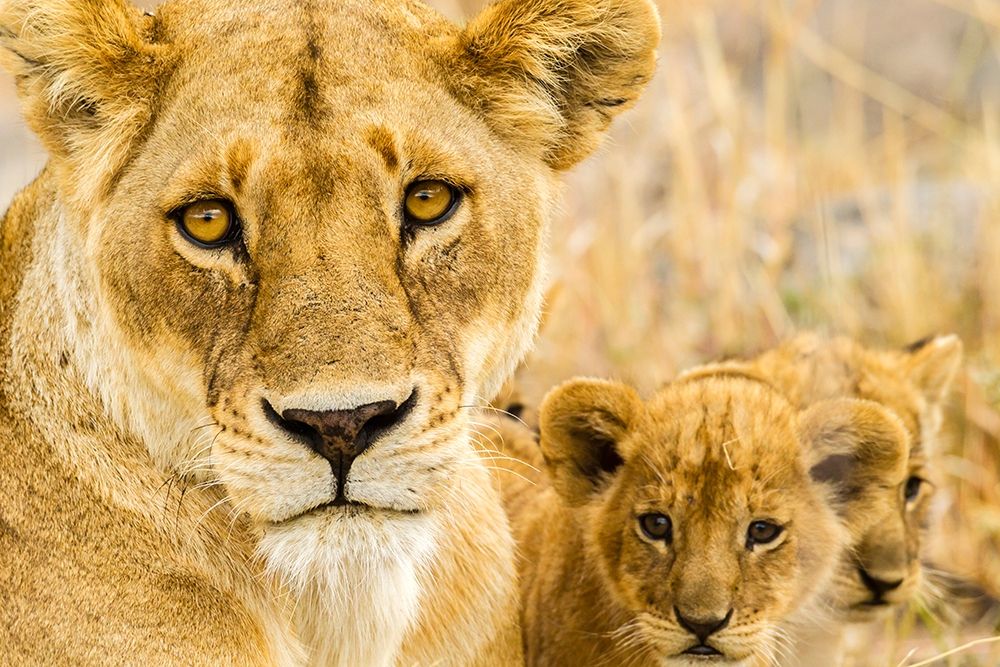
x=918 y=345
x=582 y=425
x=932 y=364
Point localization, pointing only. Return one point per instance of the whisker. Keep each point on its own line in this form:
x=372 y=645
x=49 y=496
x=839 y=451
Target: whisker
x=495 y=409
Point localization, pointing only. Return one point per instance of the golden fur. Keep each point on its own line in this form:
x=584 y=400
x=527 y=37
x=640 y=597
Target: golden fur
x=715 y=455
x=914 y=383
x=153 y=512
x=886 y=545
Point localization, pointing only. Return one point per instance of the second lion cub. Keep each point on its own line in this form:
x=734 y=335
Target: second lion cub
x=685 y=527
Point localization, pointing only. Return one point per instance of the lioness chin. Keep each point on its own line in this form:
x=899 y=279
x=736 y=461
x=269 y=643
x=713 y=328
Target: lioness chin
x=280 y=246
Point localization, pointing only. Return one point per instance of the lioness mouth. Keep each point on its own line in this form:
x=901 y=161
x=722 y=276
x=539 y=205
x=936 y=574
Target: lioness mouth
x=351 y=508
x=703 y=650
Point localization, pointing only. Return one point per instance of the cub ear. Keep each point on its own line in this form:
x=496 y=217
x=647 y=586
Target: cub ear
x=86 y=75
x=582 y=423
x=932 y=364
x=856 y=448
x=551 y=74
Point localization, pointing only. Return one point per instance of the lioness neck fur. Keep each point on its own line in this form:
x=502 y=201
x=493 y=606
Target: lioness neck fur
x=164 y=500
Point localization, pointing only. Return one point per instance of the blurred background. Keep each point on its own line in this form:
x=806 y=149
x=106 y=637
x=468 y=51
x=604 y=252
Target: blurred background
x=822 y=164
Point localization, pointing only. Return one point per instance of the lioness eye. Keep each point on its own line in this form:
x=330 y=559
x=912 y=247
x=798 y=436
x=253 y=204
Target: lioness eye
x=912 y=488
x=209 y=223
x=656 y=526
x=762 y=532
x=430 y=202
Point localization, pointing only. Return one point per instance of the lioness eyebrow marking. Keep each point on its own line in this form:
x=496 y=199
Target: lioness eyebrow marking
x=382 y=140
x=239 y=156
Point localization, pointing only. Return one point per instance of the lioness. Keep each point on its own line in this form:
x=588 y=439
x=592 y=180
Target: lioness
x=696 y=526
x=278 y=248
x=882 y=569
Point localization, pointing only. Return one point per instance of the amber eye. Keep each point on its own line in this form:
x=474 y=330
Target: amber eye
x=656 y=526
x=762 y=532
x=912 y=488
x=209 y=223
x=430 y=202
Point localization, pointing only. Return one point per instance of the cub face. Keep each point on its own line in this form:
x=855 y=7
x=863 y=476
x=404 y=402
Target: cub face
x=882 y=569
x=711 y=522
x=315 y=227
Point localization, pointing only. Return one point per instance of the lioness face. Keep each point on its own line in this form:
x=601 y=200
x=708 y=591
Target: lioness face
x=308 y=235
x=701 y=510
x=333 y=328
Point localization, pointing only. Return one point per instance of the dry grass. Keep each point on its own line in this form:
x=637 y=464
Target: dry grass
x=829 y=165
x=797 y=163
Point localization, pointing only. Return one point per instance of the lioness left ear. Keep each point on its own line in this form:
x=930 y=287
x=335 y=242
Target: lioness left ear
x=854 y=447
x=551 y=74
x=86 y=75
x=932 y=364
x=582 y=424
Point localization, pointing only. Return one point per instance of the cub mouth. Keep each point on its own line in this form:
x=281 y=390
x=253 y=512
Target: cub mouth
x=874 y=603
x=868 y=610
x=704 y=651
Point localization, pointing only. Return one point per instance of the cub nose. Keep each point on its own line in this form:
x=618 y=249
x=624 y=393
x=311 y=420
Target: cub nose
x=341 y=436
x=702 y=628
x=878 y=587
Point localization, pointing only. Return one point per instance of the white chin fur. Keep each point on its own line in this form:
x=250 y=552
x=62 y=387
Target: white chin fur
x=357 y=578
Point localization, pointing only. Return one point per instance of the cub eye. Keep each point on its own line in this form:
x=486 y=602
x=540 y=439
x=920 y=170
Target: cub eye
x=912 y=488
x=208 y=224
x=762 y=532
x=430 y=202
x=656 y=526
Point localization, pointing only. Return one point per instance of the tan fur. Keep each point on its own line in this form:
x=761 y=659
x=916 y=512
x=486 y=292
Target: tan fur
x=914 y=383
x=713 y=454
x=151 y=512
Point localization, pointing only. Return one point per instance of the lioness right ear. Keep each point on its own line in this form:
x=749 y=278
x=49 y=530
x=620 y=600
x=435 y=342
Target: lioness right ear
x=582 y=423
x=856 y=448
x=550 y=75
x=86 y=74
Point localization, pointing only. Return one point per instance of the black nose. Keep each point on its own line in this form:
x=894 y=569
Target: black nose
x=878 y=587
x=341 y=436
x=702 y=629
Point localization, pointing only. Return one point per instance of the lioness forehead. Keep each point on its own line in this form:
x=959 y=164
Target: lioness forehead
x=301 y=61
x=370 y=31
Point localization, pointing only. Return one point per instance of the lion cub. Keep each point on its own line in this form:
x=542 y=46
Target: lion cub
x=881 y=570
x=687 y=527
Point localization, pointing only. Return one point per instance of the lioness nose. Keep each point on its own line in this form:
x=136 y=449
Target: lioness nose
x=878 y=586
x=341 y=436
x=702 y=628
